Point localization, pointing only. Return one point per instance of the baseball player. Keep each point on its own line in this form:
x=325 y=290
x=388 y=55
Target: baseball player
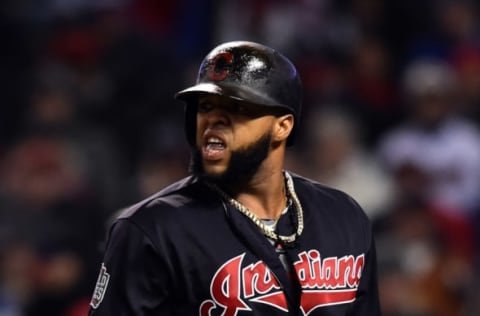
x=241 y=235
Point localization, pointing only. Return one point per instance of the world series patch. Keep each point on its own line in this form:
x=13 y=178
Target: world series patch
x=100 y=287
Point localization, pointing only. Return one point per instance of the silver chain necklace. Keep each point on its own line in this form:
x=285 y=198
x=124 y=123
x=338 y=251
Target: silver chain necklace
x=266 y=230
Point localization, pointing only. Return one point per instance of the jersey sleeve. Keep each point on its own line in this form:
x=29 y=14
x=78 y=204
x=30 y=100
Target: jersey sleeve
x=132 y=278
x=367 y=301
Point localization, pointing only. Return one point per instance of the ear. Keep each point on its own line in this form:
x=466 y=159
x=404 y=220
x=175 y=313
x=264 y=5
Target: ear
x=283 y=127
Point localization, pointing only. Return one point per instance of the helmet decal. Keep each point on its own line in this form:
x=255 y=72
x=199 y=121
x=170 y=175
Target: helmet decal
x=220 y=66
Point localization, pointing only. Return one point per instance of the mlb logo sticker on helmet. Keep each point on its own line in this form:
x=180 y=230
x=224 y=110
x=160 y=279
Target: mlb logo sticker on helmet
x=100 y=287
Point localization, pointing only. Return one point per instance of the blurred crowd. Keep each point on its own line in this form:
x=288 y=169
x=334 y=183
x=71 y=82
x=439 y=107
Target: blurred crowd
x=88 y=125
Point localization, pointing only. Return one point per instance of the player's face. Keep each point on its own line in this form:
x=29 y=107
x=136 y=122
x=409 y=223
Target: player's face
x=233 y=138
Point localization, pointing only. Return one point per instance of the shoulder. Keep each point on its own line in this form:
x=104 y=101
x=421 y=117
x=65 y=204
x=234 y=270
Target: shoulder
x=328 y=202
x=311 y=189
x=185 y=196
x=333 y=216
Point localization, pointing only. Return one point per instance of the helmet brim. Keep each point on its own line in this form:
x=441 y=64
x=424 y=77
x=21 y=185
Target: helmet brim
x=243 y=94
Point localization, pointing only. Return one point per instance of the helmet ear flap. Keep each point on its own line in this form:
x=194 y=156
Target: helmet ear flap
x=191 y=109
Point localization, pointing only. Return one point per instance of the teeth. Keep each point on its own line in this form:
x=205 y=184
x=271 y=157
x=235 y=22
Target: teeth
x=214 y=143
x=214 y=140
x=215 y=146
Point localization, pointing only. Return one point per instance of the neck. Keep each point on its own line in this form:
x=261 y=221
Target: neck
x=256 y=215
x=265 y=195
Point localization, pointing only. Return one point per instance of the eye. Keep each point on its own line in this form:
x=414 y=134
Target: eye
x=204 y=107
x=239 y=108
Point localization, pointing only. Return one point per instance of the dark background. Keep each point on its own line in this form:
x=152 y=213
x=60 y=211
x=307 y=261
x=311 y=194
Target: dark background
x=88 y=125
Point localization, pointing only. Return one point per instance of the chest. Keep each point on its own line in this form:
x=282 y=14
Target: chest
x=230 y=271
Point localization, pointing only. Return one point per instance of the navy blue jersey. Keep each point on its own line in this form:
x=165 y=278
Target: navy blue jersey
x=184 y=251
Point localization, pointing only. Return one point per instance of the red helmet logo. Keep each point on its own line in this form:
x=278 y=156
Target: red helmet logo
x=218 y=69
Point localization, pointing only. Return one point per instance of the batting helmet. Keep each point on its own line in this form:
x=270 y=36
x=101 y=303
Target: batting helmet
x=247 y=72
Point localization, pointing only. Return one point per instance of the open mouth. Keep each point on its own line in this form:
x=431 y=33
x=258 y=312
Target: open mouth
x=213 y=147
x=214 y=143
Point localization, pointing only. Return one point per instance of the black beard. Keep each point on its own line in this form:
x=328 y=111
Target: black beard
x=244 y=163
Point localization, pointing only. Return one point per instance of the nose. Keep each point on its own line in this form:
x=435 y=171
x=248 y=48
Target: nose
x=217 y=115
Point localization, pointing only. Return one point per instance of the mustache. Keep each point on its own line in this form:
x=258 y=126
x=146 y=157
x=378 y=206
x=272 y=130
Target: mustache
x=243 y=165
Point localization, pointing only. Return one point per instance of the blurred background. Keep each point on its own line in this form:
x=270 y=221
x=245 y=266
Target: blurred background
x=88 y=125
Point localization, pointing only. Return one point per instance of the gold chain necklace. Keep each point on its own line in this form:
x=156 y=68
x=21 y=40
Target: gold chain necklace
x=266 y=230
